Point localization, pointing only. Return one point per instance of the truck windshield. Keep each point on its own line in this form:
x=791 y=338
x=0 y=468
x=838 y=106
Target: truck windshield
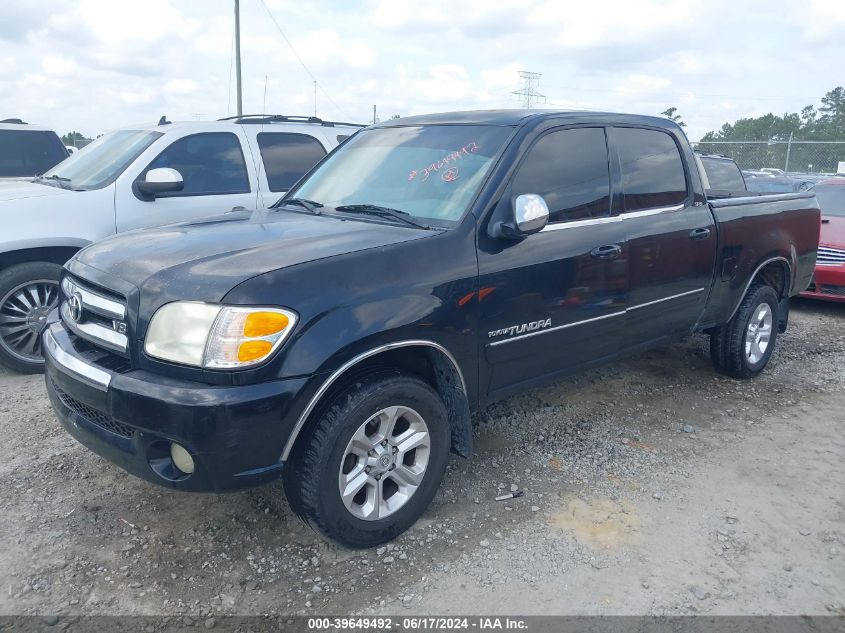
x=831 y=199
x=101 y=162
x=430 y=172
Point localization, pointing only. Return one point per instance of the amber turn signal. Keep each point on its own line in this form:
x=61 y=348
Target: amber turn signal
x=264 y=324
x=251 y=350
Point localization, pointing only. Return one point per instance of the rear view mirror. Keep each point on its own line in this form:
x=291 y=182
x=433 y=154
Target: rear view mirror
x=158 y=181
x=529 y=214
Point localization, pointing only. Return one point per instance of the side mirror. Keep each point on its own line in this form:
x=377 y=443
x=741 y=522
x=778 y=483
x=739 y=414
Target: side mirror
x=158 y=181
x=529 y=214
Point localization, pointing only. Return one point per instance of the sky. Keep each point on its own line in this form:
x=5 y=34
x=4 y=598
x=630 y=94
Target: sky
x=95 y=65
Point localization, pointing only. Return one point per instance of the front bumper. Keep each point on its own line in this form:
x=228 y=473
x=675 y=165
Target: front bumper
x=828 y=284
x=235 y=434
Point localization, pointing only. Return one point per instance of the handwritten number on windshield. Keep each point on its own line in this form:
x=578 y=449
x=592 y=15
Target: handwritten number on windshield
x=425 y=172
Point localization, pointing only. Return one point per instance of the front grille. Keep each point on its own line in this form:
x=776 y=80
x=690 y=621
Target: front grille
x=96 y=316
x=830 y=256
x=93 y=416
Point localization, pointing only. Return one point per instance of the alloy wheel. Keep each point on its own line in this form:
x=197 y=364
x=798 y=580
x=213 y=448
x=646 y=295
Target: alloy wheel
x=23 y=312
x=384 y=463
x=759 y=333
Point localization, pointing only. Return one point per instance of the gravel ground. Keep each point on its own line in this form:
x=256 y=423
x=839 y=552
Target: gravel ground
x=651 y=486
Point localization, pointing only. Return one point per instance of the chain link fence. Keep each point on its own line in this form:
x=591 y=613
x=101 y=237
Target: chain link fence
x=79 y=143
x=821 y=157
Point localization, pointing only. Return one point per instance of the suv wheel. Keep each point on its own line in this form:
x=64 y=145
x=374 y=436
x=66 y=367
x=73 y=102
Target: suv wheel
x=372 y=462
x=28 y=293
x=742 y=348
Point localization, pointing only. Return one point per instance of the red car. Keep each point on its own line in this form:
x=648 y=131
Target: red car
x=829 y=278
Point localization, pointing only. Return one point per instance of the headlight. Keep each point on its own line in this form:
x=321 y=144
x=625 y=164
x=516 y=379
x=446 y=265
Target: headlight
x=217 y=337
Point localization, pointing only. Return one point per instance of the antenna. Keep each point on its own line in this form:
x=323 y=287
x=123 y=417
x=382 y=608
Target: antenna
x=315 y=97
x=238 y=55
x=528 y=92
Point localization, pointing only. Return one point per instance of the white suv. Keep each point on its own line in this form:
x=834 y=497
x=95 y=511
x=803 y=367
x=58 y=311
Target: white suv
x=27 y=150
x=137 y=177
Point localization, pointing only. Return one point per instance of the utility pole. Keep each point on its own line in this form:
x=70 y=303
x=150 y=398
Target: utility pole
x=788 y=151
x=375 y=118
x=528 y=92
x=238 y=55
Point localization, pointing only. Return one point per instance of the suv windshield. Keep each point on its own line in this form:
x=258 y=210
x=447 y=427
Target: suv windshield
x=99 y=163
x=28 y=152
x=431 y=172
x=831 y=199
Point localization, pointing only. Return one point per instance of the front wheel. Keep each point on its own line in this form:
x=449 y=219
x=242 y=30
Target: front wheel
x=28 y=293
x=372 y=462
x=743 y=346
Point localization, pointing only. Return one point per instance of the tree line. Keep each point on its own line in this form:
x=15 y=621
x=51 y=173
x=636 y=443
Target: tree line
x=823 y=123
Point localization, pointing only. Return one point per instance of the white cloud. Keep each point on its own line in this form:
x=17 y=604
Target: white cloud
x=822 y=20
x=642 y=85
x=115 y=23
x=55 y=65
x=180 y=86
x=444 y=82
x=92 y=65
x=501 y=77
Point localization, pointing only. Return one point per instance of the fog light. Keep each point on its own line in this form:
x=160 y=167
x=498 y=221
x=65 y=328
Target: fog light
x=181 y=458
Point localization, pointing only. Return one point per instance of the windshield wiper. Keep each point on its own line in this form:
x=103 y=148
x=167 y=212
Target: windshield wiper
x=308 y=205
x=382 y=212
x=59 y=181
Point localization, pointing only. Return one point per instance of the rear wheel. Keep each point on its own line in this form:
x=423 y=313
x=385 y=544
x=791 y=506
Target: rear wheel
x=743 y=346
x=372 y=462
x=28 y=293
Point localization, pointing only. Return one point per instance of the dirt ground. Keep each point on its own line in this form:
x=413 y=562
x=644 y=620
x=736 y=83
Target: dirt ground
x=652 y=486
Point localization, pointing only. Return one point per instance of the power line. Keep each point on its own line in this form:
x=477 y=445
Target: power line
x=528 y=92
x=302 y=63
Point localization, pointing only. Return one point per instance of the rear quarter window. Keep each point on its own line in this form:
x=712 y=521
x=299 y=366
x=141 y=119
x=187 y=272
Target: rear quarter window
x=29 y=153
x=652 y=170
x=287 y=157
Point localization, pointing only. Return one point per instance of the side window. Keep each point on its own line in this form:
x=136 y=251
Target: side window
x=569 y=169
x=342 y=137
x=287 y=157
x=210 y=163
x=652 y=170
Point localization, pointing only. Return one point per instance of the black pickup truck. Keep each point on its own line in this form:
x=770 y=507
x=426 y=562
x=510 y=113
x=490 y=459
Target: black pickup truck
x=428 y=266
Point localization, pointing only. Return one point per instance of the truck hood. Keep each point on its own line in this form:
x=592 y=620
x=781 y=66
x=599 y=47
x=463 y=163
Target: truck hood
x=203 y=260
x=19 y=189
x=833 y=231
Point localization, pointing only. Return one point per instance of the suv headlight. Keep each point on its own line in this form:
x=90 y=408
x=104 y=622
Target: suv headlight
x=217 y=337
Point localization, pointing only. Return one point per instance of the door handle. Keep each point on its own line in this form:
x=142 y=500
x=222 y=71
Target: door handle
x=699 y=234
x=608 y=251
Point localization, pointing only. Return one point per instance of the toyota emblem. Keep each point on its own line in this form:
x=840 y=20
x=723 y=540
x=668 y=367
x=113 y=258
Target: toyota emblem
x=74 y=307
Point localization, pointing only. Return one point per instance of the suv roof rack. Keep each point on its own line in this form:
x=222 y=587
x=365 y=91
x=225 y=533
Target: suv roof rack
x=282 y=118
x=16 y=121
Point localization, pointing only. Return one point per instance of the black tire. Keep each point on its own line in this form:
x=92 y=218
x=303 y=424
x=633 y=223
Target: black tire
x=728 y=342
x=311 y=475
x=11 y=279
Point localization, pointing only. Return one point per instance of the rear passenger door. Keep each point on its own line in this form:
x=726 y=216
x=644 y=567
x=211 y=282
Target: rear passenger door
x=671 y=235
x=215 y=175
x=555 y=299
x=285 y=158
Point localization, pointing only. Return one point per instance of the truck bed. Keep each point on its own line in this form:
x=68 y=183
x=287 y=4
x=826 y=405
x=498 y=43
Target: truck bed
x=756 y=229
